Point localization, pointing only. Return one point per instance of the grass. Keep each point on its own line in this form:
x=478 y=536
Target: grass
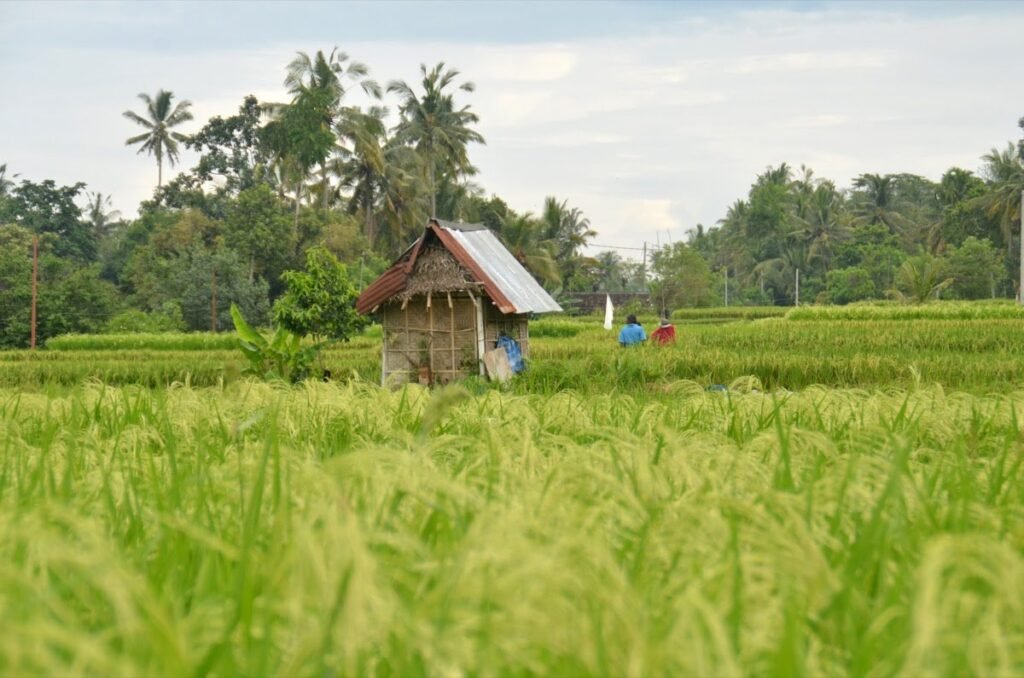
x=346 y=529
x=852 y=504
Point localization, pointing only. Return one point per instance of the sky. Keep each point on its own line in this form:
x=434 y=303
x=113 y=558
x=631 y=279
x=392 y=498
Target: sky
x=649 y=117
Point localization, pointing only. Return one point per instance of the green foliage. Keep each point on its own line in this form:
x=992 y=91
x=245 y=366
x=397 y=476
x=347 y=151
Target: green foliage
x=846 y=285
x=975 y=267
x=159 y=139
x=681 y=277
x=921 y=278
x=140 y=322
x=689 y=533
x=319 y=300
x=257 y=228
x=47 y=209
x=283 y=357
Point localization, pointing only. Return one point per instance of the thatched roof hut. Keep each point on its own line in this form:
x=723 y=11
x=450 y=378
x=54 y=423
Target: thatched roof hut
x=447 y=299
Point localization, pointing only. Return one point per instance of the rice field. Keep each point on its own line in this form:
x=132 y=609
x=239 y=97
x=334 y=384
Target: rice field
x=769 y=497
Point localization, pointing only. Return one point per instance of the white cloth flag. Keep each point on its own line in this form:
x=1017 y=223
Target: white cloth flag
x=608 y=311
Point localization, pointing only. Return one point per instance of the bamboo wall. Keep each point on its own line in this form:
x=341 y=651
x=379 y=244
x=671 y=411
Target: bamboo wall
x=442 y=337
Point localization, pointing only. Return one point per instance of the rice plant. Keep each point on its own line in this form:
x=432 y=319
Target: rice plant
x=345 y=529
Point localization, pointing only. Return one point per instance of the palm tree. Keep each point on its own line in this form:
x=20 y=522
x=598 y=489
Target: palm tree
x=432 y=124
x=878 y=202
x=360 y=167
x=525 y=238
x=565 y=226
x=821 y=225
x=99 y=215
x=919 y=279
x=322 y=78
x=1005 y=174
x=403 y=195
x=159 y=139
x=5 y=183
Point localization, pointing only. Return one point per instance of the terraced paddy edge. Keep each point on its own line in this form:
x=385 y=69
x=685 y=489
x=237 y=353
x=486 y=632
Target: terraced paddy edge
x=333 y=529
x=980 y=356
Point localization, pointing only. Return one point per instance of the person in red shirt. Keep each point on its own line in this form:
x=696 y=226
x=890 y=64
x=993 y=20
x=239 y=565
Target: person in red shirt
x=666 y=334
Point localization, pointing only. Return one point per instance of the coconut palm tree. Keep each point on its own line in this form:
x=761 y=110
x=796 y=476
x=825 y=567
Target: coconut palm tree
x=565 y=226
x=360 y=165
x=525 y=238
x=323 y=79
x=1005 y=174
x=821 y=224
x=99 y=214
x=159 y=139
x=433 y=124
x=877 y=204
x=403 y=195
x=5 y=183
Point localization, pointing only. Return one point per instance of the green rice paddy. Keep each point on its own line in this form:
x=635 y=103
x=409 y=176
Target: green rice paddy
x=851 y=504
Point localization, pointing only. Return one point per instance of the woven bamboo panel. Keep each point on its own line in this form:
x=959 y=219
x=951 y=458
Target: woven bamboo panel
x=439 y=336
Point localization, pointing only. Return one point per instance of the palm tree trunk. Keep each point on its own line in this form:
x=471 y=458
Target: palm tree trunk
x=433 y=192
x=298 y=194
x=371 y=226
x=159 y=171
x=323 y=186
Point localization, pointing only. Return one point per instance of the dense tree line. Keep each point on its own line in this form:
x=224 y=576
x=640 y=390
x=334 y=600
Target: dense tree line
x=887 y=236
x=275 y=180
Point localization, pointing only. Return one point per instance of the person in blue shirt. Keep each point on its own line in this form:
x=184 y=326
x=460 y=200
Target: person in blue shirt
x=632 y=333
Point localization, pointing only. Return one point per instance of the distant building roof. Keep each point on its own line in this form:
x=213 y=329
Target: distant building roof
x=474 y=246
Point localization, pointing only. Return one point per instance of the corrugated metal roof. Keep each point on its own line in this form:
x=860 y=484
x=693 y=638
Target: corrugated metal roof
x=514 y=282
x=507 y=283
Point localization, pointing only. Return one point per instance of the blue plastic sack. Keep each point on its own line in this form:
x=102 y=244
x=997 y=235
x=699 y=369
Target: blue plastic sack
x=512 y=350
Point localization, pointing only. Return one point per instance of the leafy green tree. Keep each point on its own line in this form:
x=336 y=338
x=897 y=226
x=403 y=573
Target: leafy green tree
x=258 y=230
x=190 y=282
x=846 y=285
x=159 y=139
x=231 y=150
x=876 y=250
x=681 y=277
x=319 y=300
x=438 y=129
x=15 y=285
x=46 y=208
x=976 y=268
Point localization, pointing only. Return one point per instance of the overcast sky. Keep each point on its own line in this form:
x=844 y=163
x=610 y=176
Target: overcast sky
x=650 y=118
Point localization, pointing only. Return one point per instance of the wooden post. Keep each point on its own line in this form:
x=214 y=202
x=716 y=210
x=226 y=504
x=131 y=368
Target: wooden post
x=213 y=302
x=35 y=288
x=797 y=300
x=725 y=274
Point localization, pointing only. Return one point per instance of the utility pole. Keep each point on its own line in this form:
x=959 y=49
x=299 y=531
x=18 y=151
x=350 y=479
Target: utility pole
x=797 y=288
x=643 y=268
x=213 y=302
x=35 y=288
x=725 y=274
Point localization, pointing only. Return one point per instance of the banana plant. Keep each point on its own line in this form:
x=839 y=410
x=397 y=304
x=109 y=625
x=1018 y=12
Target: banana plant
x=282 y=357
